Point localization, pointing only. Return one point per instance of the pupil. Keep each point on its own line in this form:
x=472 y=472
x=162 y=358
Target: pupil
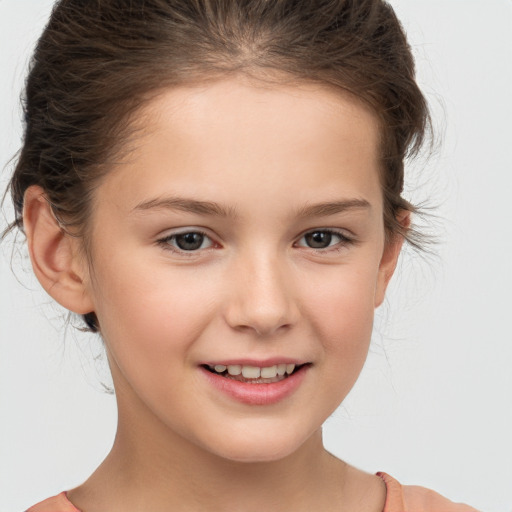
x=319 y=239
x=189 y=241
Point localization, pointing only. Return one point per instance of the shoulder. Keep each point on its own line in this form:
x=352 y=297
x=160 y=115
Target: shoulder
x=419 y=498
x=59 y=503
x=412 y=498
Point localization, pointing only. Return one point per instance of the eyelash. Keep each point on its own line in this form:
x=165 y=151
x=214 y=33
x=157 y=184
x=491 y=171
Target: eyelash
x=344 y=241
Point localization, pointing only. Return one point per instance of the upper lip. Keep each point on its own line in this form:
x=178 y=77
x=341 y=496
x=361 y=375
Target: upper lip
x=261 y=363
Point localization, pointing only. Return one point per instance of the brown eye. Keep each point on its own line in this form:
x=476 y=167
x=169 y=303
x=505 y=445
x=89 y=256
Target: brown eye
x=186 y=242
x=189 y=241
x=319 y=239
x=325 y=239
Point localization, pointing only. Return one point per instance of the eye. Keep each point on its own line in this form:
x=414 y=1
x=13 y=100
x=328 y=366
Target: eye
x=189 y=241
x=324 y=238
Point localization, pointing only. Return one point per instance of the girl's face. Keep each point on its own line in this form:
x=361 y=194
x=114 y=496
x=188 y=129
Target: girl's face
x=245 y=231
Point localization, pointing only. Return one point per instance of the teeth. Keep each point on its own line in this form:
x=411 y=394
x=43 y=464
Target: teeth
x=251 y=372
x=255 y=372
x=269 y=372
x=234 y=369
x=290 y=368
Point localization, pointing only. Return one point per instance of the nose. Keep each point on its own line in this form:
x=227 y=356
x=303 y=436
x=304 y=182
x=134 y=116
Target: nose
x=262 y=298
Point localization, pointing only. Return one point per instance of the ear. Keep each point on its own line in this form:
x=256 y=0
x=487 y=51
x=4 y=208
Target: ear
x=54 y=254
x=390 y=256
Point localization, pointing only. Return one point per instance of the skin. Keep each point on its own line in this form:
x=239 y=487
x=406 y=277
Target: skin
x=254 y=289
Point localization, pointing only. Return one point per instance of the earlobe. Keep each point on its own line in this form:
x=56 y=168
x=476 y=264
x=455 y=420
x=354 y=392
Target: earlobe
x=53 y=254
x=390 y=257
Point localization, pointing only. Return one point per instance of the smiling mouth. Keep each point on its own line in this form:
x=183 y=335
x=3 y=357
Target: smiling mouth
x=255 y=374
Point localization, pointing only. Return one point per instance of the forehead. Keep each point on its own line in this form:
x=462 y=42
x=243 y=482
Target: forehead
x=237 y=136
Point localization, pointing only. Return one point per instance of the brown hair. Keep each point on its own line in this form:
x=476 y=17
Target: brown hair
x=99 y=61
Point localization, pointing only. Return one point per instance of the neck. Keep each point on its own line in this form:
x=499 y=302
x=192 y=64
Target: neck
x=181 y=473
x=151 y=468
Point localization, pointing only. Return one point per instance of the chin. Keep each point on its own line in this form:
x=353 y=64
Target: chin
x=248 y=446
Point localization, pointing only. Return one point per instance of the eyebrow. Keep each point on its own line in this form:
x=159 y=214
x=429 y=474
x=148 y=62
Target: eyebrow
x=187 y=205
x=332 y=207
x=214 y=209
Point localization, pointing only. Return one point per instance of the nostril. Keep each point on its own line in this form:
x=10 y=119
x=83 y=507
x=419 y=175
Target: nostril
x=261 y=305
x=262 y=331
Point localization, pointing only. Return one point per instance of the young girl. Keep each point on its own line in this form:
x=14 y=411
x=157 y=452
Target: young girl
x=215 y=186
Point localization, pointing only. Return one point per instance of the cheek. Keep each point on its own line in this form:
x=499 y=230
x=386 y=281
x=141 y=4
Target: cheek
x=153 y=312
x=343 y=314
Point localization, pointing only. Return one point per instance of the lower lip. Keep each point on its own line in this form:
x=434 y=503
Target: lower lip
x=257 y=394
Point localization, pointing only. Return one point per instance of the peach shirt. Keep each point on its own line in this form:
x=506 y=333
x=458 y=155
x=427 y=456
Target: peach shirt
x=406 y=498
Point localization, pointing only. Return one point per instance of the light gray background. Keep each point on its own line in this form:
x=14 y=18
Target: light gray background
x=434 y=403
